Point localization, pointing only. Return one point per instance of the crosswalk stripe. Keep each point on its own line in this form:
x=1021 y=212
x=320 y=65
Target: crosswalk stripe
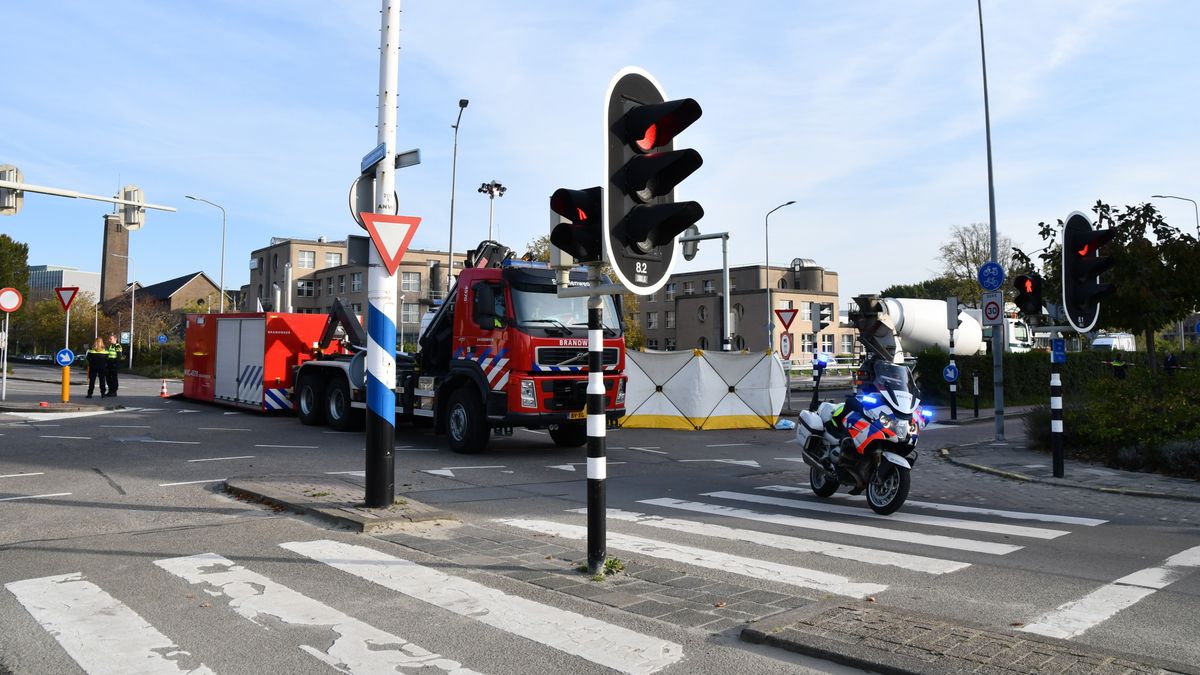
x=914 y=518
x=759 y=569
x=873 y=556
x=852 y=529
x=99 y=632
x=356 y=647
x=1077 y=616
x=955 y=508
x=597 y=641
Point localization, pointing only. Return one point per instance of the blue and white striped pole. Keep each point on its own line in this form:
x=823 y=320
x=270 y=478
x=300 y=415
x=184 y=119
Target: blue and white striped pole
x=381 y=286
x=597 y=423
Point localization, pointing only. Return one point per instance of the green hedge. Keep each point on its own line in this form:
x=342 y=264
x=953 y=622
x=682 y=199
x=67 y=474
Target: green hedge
x=1026 y=376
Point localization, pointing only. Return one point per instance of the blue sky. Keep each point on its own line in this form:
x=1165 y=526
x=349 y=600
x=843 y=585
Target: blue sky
x=868 y=113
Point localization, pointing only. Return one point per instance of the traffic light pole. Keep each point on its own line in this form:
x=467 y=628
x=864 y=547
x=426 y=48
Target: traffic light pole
x=597 y=422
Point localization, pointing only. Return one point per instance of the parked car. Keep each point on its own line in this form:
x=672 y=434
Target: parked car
x=43 y=357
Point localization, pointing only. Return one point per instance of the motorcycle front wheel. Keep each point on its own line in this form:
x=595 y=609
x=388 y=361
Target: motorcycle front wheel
x=887 y=487
x=820 y=482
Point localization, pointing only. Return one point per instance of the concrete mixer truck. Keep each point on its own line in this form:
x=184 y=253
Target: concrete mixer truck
x=902 y=327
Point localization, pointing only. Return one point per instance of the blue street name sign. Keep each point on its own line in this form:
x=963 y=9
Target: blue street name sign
x=991 y=276
x=64 y=357
x=950 y=373
x=373 y=157
x=1058 y=350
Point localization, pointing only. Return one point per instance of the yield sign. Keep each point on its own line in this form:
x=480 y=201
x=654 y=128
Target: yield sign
x=391 y=235
x=786 y=316
x=66 y=295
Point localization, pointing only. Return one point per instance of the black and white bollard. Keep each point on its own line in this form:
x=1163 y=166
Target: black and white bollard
x=597 y=422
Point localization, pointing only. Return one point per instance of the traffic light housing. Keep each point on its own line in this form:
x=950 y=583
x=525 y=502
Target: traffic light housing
x=1082 y=266
x=642 y=220
x=580 y=232
x=1029 y=294
x=132 y=217
x=11 y=199
x=822 y=316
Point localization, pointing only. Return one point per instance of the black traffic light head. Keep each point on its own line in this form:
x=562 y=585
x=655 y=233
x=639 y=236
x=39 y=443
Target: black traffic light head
x=642 y=219
x=1082 y=266
x=580 y=234
x=822 y=316
x=1029 y=294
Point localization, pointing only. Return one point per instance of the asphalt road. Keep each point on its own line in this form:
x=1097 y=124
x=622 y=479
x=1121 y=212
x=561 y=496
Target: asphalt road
x=114 y=497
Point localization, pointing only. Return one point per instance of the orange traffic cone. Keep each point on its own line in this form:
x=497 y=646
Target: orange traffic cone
x=162 y=393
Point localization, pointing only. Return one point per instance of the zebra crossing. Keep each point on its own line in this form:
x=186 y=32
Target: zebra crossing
x=103 y=634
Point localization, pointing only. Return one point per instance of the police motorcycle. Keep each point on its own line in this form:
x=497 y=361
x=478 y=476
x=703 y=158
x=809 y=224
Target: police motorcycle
x=868 y=441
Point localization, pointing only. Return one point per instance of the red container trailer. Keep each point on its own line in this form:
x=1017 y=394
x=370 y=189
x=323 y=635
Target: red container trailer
x=247 y=360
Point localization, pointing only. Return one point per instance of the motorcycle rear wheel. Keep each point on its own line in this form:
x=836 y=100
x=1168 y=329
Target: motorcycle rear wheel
x=887 y=488
x=820 y=482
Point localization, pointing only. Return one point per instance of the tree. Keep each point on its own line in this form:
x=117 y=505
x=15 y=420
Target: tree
x=1154 y=270
x=934 y=289
x=14 y=265
x=969 y=247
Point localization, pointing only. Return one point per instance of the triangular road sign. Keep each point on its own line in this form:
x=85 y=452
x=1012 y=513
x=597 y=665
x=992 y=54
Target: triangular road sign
x=66 y=295
x=786 y=316
x=391 y=235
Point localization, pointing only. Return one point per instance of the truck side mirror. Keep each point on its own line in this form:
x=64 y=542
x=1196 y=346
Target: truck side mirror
x=483 y=306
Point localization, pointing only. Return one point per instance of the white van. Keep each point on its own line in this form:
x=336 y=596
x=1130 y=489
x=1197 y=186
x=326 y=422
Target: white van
x=1115 y=342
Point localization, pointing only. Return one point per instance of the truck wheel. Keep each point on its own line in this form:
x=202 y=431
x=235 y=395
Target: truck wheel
x=342 y=417
x=465 y=425
x=310 y=399
x=569 y=435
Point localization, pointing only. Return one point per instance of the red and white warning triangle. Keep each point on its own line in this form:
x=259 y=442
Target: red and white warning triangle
x=786 y=316
x=66 y=295
x=391 y=235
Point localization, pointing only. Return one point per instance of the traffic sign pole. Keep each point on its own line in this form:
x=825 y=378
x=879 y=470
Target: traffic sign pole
x=66 y=369
x=10 y=301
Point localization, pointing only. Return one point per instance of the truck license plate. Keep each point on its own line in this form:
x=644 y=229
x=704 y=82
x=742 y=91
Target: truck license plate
x=578 y=415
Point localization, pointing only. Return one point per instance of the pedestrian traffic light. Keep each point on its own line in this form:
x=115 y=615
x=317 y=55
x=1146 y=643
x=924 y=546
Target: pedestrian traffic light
x=579 y=232
x=1029 y=294
x=822 y=316
x=1082 y=266
x=642 y=220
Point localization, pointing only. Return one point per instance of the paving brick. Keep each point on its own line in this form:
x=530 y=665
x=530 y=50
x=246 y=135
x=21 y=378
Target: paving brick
x=650 y=608
x=689 y=618
x=618 y=599
x=656 y=575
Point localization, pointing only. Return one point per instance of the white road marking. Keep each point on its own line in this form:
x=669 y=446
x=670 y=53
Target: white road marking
x=294 y=447
x=184 y=412
x=354 y=647
x=71 y=438
x=937 y=540
x=53 y=494
x=221 y=429
x=360 y=474
x=218 y=459
x=653 y=449
x=125 y=426
x=715 y=560
x=192 y=482
x=916 y=563
x=149 y=440
x=231 y=413
x=535 y=431
x=571 y=467
x=22 y=475
x=726 y=445
x=1014 y=515
x=588 y=638
x=54 y=417
x=914 y=518
x=99 y=632
x=448 y=471
x=741 y=462
x=1078 y=616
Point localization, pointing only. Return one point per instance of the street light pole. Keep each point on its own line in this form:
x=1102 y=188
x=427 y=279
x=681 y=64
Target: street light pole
x=462 y=104
x=998 y=332
x=1196 y=209
x=132 y=300
x=492 y=190
x=767 y=275
x=222 y=281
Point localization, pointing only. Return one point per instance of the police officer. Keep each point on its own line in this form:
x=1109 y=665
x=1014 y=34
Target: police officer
x=97 y=363
x=114 y=360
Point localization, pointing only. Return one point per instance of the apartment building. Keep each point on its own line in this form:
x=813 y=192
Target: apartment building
x=43 y=279
x=686 y=313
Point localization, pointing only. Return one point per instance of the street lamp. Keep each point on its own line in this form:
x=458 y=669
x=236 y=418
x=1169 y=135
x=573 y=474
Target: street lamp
x=997 y=335
x=1194 y=207
x=767 y=277
x=462 y=104
x=132 y=299
x=201 y=199
x=492 y=190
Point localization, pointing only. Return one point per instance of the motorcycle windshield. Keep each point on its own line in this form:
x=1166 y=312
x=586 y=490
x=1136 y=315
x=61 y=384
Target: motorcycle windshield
x=895 y=382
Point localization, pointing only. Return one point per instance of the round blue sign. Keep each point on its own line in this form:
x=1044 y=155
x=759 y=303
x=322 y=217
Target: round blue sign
x=950 y=373
x=991 y=276
x=64 y=357
x=162 y=339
